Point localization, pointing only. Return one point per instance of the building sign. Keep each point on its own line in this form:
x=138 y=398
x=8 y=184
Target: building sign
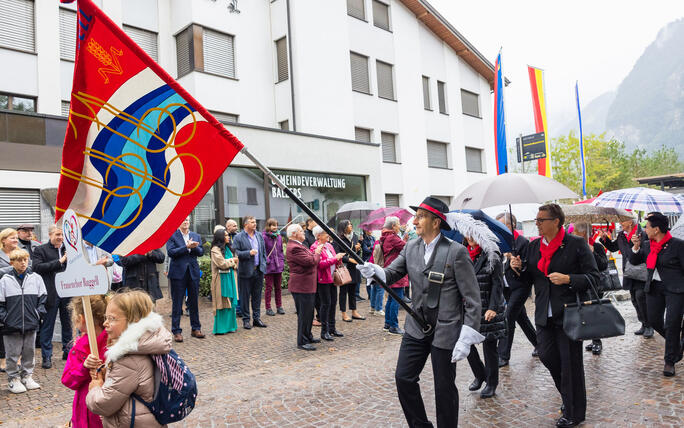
x=531 y=147
x=296 y=182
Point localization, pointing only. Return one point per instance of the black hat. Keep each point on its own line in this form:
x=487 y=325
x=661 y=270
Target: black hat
x=436 y=207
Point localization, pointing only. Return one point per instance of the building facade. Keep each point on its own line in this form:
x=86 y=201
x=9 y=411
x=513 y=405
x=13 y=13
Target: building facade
x=379 y=100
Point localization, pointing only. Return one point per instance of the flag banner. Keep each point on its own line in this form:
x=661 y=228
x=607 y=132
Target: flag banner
x=581 y=143
x=499 y=120
x=539 y=109
x=139 y=151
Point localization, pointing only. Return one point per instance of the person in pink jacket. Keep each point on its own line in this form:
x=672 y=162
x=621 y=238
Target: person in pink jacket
x=327 y=292
x=76 y=373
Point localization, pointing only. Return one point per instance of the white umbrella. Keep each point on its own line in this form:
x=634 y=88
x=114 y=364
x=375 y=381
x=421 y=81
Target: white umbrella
x=511 y=188
x=641 y=199
x=678 y=229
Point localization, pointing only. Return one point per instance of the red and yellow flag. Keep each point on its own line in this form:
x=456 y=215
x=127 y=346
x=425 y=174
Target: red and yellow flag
x=539 y=109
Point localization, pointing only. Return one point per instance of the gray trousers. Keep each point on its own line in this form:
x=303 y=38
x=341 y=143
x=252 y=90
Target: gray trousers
x=20 y=345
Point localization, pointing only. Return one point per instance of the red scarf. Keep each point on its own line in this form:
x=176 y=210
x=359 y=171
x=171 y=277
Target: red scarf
x=630 y=234
x=655 y=249
x=547 y=251
x=474 y=252
x=515 y=234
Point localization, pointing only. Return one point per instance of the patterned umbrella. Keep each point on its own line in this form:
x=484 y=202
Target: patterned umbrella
x=376 y=219
x=678 y=229
x=586 y=213
x=641 y=199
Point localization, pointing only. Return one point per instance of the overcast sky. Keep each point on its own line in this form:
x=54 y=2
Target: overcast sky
x=596 y=42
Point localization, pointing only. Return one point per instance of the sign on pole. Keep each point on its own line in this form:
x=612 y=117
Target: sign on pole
x=531 y=147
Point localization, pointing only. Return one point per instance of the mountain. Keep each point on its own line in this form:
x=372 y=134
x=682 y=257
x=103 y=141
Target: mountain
x=593 y=116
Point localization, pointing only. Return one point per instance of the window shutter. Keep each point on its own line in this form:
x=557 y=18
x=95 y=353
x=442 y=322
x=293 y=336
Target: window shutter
x=441 y=96
x=385 y=80
x=225 y=117
x=359 y=72
x=219 y=53
x=184 y=52
x=232 y=194
x=381 y=15
x=391 y=200
x=67 y=34
x=473 y=159
x=147 y=40
x=17 y=26
x=362 y=134
x=356 y=9
x=389 y=149
x=437 y=154
x=470 y=103
x=66 y=105
x=281 y=54
x=426 y=93
x=19 y=206
x=252 y=196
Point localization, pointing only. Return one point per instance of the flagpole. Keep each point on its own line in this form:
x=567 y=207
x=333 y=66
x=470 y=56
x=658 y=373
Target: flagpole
x=426 y=327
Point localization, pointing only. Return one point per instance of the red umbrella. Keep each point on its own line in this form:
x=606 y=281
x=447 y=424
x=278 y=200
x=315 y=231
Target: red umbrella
x=588 y=201
x=376 y=219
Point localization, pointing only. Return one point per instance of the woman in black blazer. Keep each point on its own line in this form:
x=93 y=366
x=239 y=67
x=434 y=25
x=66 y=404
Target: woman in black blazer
x=345 y=230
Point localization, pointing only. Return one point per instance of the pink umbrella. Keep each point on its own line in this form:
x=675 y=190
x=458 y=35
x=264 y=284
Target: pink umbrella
x=376 y=219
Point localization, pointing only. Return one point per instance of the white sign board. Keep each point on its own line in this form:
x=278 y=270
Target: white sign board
x=80 y=277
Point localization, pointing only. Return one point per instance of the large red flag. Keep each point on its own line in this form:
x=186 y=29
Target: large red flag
x=139 y=151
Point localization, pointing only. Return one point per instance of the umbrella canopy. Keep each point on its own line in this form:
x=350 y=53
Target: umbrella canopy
x=511 y=188
x=585 y=213
x=641 y=199
x=376 y=219
x=356 y=212
x=502 y=233
x=678 y=229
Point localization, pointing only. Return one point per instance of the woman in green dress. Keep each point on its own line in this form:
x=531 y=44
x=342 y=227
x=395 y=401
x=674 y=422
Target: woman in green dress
x=223 y=283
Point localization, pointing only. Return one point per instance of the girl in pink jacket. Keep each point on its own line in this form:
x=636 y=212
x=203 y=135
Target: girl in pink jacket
x=76 y=373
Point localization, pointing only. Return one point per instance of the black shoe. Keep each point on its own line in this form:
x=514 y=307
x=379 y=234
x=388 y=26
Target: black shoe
x=47 y=364
x=327 y=336
x=488 y=391
x=477 y=384
x=566 y=422
x=640 y=331
x=597 y=348
x=648 y=332
x=386 y=327
x=406 y=299
x=270 y=312
x=312 y=340
x=246 y=325
x=281 y=311
x=359 y=298
x=535 y=353
x=668 y=370
x=503 y=362
x=396 y=330
x=307 y=347
x=337 y=333
x=258 y=323
x=65 y=355
x=589 y=347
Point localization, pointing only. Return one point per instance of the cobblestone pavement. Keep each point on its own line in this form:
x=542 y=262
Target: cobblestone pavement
x=259 y=378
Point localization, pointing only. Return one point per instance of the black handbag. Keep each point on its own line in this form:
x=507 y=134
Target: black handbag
x=610 y=278
x=592 y=319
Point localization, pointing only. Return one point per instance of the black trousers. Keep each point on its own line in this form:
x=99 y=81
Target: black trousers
x=413 y=354
x=348 y=292
x=178 y=289
x=250 y=291
x=665 y=311
x=516 y=312
x=562 y=356
x=489 y=371
x=304 y=302
x=327 y=294
x=638 y=297
x=317 y=306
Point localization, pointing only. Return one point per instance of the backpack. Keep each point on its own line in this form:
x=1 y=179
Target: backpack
x=175 y=391
x=378 y=256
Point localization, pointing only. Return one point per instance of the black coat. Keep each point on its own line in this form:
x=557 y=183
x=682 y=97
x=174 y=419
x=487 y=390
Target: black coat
x=351 y=267
x=46 y=264
x=625 y=247
x=670 y=264
x=490 y=279
x=513 y=279
x=572 y=258
x=140 y=271
x=309 y=238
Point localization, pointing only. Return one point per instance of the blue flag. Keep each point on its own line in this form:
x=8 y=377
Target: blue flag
x=499 y=121
x=581 y=143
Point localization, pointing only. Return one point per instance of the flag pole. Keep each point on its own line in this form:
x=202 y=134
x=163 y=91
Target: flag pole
x=425 y=326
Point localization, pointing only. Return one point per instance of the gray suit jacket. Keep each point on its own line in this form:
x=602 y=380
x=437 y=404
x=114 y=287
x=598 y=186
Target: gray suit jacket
x=459 y=301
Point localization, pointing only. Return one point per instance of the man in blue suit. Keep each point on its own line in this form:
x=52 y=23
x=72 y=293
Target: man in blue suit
x=183 y=249
x=251 y=251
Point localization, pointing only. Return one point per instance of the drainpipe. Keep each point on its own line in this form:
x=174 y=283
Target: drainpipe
x=289 y=49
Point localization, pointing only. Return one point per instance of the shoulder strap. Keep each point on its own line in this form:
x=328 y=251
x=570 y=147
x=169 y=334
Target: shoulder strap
x=435 y=277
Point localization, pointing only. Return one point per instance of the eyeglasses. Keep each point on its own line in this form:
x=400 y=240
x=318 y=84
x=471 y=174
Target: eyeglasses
x=541 y=220
x=110 y=319
x=422 y=216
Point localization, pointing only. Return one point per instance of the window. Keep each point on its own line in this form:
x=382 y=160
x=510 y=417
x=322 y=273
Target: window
x=426 y=93
x=385 y=80
x=232 y=194
x=359 y=73
x=389 y=147
x=284 y=125
x=281 y=54
x=67 y=34
x=252 y=196
x=225 y=117
x=356 y=9
x=392 y=200
x=17 y=103
x=185 y=52
x=441 y=97
x=362 y=134
x=19 y=206
x=381 y=15
x=473 y=160
x=437 y=154
x=470 y=103
x=147 y=40
x=17 y=26
x=66 y=105
x=219 y=53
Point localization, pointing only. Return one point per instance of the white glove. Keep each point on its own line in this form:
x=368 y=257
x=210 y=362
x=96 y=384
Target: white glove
x=368 y=270
x=468 y=337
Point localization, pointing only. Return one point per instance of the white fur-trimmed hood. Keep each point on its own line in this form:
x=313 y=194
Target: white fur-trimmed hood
x=147 y=336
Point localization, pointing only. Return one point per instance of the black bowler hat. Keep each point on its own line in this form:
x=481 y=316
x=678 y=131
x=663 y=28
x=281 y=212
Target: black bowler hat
x=436 y=207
